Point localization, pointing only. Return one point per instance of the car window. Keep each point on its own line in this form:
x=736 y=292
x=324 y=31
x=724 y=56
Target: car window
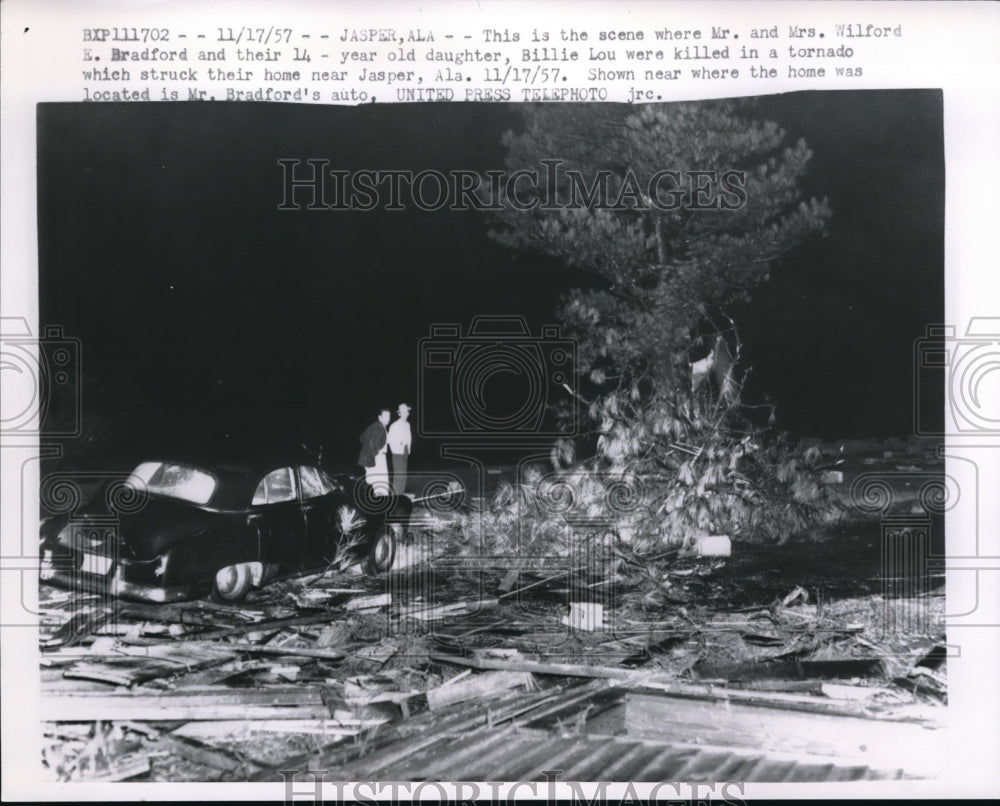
x=313 y=485
x=175 y=480
x=331 y=484
x=275 y=487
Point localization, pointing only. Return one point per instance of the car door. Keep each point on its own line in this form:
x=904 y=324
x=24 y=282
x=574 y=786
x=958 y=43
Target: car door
x=320 y=503
x=276 y=511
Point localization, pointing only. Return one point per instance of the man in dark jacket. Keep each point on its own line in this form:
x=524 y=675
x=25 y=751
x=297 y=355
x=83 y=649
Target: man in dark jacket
x=372 y=456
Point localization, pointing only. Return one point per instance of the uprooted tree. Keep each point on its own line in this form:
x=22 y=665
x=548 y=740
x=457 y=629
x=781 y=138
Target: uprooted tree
x=676 y=212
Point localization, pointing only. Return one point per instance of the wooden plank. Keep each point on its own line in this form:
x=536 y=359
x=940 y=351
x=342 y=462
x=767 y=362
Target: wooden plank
x=224 y=728
x=644 y=679
x=142 y=666
x=539 y=582
x=302 y=652
x=478 y=687
x=790 y=669
x=370 y=602
x=92 y=709
x=510 y=579
x=272 y=625
x=219 y=674
x=218 y=758
x=122 y=769
x=210 y=703
x=536 y=667
x=431 y=612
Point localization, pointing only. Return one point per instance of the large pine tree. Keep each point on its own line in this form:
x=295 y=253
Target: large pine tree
x=663 y=267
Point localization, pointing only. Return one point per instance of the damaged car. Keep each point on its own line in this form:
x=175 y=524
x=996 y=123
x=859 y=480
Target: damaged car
x=188 y=530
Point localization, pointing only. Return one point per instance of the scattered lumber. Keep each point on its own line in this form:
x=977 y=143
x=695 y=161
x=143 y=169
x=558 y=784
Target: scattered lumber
x=134 y=665
x=121 y=769
x=272 y=702
x=789 y=669
x=408 y=737
x=536 y=667
x=296 y=651
x=477 y=687
x=432 y=612
x=217 y=758
x=223 y=729
x=370 y=602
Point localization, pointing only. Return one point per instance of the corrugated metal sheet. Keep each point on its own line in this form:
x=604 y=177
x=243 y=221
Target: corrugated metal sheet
x=510 y=755
x=573 y=736
x=595 y=732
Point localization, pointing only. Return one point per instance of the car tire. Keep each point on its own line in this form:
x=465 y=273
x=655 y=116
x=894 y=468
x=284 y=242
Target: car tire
x=382 y=552
x=232 y=583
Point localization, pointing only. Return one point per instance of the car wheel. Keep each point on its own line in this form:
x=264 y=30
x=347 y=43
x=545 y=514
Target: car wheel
x=382 y=553
x=232 y=583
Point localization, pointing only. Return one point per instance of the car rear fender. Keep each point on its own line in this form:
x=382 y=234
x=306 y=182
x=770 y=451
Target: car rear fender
x=201 y=555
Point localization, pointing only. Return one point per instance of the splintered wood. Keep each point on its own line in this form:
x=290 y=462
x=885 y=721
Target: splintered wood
x=341 y=666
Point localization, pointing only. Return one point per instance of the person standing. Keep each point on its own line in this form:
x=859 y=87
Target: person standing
x=374 y=440
x=400 y=441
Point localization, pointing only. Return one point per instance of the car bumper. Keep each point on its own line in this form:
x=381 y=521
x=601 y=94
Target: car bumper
x=114 y=583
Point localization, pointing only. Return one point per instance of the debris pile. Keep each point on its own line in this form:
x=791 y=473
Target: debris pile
x=343 y=667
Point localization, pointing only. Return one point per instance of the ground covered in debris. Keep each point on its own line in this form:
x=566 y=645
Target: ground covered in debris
x=204 y=692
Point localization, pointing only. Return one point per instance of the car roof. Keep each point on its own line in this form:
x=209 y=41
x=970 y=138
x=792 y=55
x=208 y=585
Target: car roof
x=237 y=475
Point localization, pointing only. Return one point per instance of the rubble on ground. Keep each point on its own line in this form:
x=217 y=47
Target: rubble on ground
x=349 y=669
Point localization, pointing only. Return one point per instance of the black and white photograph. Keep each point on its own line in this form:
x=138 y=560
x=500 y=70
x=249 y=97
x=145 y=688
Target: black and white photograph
x=495 y=442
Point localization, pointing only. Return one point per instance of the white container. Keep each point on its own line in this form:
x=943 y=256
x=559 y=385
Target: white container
x=586 y=616
x=713 y=546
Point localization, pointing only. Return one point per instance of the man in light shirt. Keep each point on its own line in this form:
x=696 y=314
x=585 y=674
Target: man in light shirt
x=400 y=441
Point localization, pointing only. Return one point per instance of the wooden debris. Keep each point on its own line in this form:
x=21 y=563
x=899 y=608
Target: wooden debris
x=536 y=667
x=510 y=579
x=404 y=739
x=799 y=594
x=132 y=665
x=172 y=693
x=370 y=602
x=273 y=702
x=272 y=625
x=545 y=581
x=296 y=651
x=121 y=769
x=216 y=674
x=477 y=687
x=760 y=639
x=148 y=731
x=215 y=757
x=221 y=729
x=334 y=634
x=844 y=692
x=432 y=612
x=789 y=669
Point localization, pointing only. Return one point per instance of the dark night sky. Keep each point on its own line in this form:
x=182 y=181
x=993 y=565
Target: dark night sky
x=204 y=310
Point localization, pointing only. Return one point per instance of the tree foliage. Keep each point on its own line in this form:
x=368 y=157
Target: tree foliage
x=660 y=271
